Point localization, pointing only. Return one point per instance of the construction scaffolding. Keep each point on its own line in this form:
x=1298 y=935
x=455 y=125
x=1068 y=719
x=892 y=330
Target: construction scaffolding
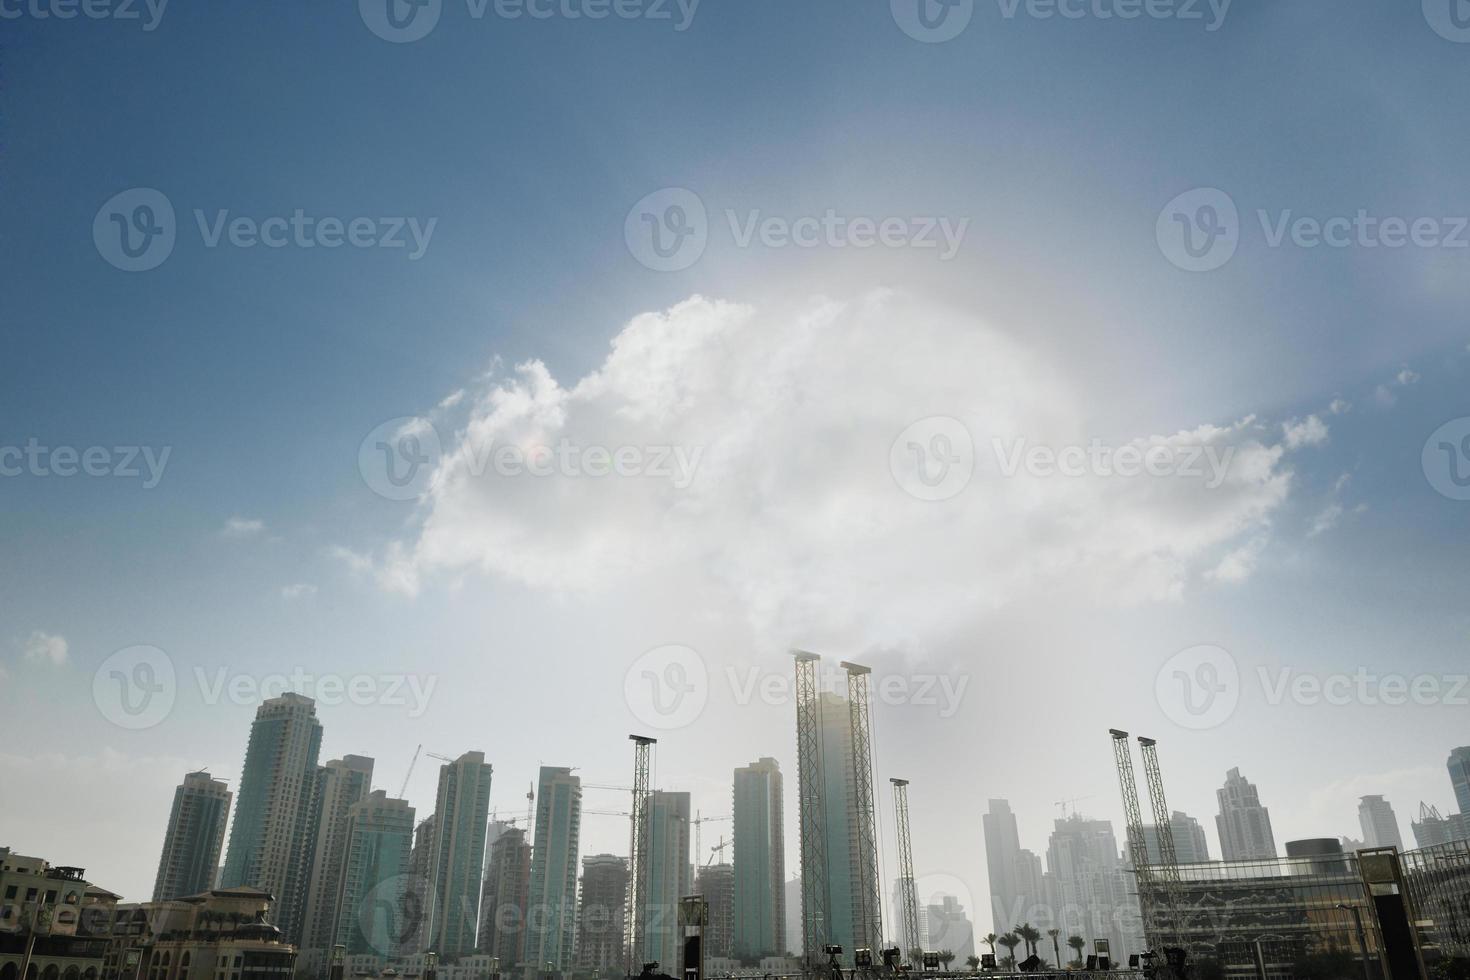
x=1168 y=866
x=907 y=887
x=813 y=819
x=1137 y=844
x=637 y=904
x=867 y=909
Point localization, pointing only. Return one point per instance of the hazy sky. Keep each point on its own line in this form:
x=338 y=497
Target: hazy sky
x=887 y=268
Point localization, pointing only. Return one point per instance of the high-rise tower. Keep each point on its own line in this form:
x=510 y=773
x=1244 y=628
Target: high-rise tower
x=195 y=836
x=340 y=784
x=554 y=870
x=760 y=861
x=1243 y=823
x=461 y=814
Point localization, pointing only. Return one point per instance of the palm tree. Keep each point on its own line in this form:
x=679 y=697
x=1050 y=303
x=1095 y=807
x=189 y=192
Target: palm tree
x=1010 y=941
x=989 y=940
x=1078 y=944
x=1030 y=936
x=973 y=962
x=1054 y=933
x=946 y=956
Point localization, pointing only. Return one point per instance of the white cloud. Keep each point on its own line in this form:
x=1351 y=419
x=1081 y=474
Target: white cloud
x=46 y=648
x=1407 y=377
x=794 y=510
x=1385 y=397
x=1311 y=431
x=1325 y=520
x=298 y=590
x=1340 y=406
x=242 y=527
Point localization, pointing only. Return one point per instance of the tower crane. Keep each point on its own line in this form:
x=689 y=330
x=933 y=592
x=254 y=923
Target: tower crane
x=404 y=788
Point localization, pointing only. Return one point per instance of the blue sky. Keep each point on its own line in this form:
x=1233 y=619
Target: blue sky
x=529 y=140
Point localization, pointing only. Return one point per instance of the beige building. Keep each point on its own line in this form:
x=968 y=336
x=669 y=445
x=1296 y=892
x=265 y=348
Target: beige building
x=52 y=912
x=216 y=935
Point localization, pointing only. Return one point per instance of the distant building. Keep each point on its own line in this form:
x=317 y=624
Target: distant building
x=554 y=870
x=760 y=861
x=340 y=785
x=1431 y=828
x=1243 y=823
x=844 y=925
x=461 y=815
x=1017 y=885
x=1191 y=844
x=716 y=882
x=506 y=898
x=601 y=914
x=195 y=837
x=377 y=908
x=950 y=928
x=1088 y=884
x=1380 y=825
x=268 y=839
x=668 y=876
x=1459 y=767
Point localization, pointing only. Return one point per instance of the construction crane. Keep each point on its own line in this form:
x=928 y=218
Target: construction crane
x=717 y=849
x=1137 y=846
x=868 y=930
x=404 y=788
x=1072 y=802
x=811 y=812
x=907 y=887
x=699 y=820
x=638 y=852
x=1168 y=856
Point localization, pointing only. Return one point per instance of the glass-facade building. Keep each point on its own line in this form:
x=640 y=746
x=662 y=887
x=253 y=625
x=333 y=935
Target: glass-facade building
x=554 y=869
x=376 y=911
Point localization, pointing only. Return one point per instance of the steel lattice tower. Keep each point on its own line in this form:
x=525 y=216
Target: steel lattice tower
x=1137 y=846
x=813 y=817
x=907 y=888
x=868 y=922
x=1168 y=856
x=638 y=854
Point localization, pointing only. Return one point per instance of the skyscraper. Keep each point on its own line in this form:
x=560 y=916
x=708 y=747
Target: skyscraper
x=668 y=876
x=600 y=918
x=1191 y=844
x=274 y=806
x=1380 y=825
x=1244 y=824
x=716 y=882
x=340 y=784
x=195 y=835
x=1088 y=883
x=1002 y=848
x=554 y=870
x=377 y=911
x=1431 y=828
x=760 y=861
x=949 y=928
x=506 y=898
x=1459 y=766
x=461 y=813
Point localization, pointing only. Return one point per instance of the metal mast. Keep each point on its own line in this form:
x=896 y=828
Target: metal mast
x=1137 y=846
x=907 y=888
x=638 y=853
x=813 y=818
x=868 y=927
x=1168 y=856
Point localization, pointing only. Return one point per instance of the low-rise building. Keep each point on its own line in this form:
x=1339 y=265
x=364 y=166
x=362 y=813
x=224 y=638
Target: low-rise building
x=216 y=935
x=51 y=917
